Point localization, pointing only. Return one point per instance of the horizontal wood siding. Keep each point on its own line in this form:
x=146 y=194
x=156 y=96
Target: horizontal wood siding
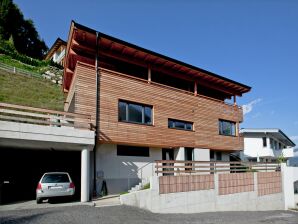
x=166 y=102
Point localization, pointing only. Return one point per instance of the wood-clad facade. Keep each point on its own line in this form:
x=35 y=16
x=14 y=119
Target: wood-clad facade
x=203 y=110
x=167 y=103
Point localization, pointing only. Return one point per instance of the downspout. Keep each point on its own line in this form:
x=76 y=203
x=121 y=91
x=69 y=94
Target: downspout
x=96 y=115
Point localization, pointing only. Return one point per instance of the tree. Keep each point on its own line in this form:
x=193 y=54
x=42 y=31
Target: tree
x=25 y=37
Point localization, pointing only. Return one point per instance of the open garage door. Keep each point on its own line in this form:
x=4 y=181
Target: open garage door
x=21 y=169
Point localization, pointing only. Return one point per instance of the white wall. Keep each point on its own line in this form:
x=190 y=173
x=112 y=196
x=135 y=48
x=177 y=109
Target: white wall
x=201 y=154
x=253 y=147
x=179 y=154
x=116 y=170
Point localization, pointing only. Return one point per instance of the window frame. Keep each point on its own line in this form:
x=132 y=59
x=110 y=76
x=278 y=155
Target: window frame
x=220 y=127
x=122 y=148
x=185 y=124
x=143 y=109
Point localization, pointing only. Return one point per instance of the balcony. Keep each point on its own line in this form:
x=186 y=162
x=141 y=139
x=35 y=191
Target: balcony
x=45 y=117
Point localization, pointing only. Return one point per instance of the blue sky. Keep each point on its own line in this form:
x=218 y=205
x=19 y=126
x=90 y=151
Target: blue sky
x=254 y=42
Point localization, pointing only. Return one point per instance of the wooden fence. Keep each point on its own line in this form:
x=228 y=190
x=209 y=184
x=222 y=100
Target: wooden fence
x=177 y=167
x=32 y=115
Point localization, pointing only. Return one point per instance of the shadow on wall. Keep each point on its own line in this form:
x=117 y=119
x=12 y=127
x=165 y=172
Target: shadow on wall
x=122 y=183
x=123 y=172
x=130 y=174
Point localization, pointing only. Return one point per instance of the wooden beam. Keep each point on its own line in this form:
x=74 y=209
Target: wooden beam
x=149 y=74
x=168 y=72
x=196 y=88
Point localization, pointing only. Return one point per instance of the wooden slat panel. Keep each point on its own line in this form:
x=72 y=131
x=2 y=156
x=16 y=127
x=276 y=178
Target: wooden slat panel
x=166 y=102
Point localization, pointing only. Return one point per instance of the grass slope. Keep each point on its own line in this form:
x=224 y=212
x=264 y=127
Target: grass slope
x=29 y=91
x=6 y=59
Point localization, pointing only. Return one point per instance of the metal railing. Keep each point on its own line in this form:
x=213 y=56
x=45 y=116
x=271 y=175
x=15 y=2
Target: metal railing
x=178 y=167
x=40 y=116
x=139 y=173
x=19 y=71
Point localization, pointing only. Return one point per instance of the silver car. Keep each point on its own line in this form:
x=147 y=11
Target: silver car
x=54 y=184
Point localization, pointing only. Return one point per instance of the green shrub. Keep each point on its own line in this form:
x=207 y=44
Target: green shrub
x=146 y=186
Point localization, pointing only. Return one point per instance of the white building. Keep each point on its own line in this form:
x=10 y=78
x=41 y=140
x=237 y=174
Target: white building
x=266 y=145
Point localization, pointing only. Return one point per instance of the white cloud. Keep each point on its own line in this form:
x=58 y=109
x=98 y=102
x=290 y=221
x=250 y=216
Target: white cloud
x=247 y=108
x=256 y=115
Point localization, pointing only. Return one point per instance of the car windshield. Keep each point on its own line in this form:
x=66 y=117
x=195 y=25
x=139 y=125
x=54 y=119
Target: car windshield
x=55 y=178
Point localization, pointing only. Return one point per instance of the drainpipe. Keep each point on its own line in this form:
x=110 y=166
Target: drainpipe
x=96 y=114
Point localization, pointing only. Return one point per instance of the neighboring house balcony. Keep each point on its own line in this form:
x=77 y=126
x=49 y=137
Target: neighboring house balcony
x=287 y=153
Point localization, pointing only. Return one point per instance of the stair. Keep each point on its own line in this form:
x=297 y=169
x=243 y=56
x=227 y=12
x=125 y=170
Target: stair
x=139 y=186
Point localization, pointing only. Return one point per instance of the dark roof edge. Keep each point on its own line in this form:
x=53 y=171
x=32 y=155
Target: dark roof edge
x=157 y=54
x=287 y=137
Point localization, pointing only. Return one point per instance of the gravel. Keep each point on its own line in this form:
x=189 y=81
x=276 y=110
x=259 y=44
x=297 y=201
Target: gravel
x=130 y=215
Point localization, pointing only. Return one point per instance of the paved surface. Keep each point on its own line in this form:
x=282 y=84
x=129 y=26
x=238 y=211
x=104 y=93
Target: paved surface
x=129 y=215
x=32 y=205
x=107 y=201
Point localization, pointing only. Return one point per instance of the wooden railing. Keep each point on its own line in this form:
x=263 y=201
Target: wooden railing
x=177 y=167
x=40 y=116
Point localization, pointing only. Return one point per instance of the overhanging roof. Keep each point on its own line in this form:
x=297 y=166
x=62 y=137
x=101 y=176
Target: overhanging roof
x=54 y=47
x=83 y=39
x=275 y=132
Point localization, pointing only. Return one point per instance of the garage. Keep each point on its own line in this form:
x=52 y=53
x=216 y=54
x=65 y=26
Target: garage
x=27 y=151
x=21 y=169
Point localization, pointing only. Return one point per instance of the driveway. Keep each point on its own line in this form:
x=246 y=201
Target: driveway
x=128 y=215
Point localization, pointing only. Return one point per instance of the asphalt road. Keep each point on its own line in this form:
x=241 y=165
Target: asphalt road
x=129 y=215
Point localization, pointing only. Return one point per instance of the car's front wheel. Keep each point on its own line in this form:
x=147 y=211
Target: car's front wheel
x=38 y=200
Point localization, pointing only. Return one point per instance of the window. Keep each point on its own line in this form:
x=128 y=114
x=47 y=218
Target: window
x=182 y=125
x=211 y=154
x=264 y=142
x=252 y=160
x=271 y=143
x=125 y=150
x=218 y=156
x=279 y=146
x=227 y=128
x=215 y=155
x=55 y=178
x=275 y=144
x=134 y=112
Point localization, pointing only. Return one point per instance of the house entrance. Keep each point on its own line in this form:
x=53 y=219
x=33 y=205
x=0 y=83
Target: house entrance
x=168 y=154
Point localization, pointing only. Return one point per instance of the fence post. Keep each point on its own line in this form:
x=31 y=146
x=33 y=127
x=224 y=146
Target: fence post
x=14 y=69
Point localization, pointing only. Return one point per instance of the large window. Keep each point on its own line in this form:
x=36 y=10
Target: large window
x=227 y=128
x=182 y=125
x=134 y=112
x=125 y=150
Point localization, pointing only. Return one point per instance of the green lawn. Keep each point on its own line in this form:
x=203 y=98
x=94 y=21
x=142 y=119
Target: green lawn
x=6 y=59
x=29 y=91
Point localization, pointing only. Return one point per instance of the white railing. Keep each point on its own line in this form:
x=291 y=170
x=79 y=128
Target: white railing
x=19 y=71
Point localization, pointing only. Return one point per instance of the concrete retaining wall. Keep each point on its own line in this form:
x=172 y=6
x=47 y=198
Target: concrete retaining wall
x=209 y=200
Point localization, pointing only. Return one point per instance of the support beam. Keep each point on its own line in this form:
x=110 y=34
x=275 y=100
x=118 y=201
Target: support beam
x=196 y=88
x=235 y=102
x=85 y=165
x=149 y=74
